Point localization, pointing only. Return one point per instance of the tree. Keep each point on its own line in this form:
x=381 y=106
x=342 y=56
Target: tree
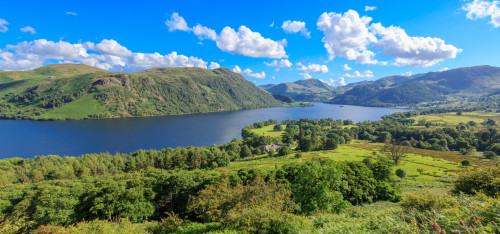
x=330 y=144
x=466 y=163
x=459 y=113
x=396 y=150
x=278 y=128
x=401 y=173
x=245 y=152
x=284 y=151
x=270 y=153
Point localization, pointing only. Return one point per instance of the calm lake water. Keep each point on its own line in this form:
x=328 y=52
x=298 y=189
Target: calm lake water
x=22 y=138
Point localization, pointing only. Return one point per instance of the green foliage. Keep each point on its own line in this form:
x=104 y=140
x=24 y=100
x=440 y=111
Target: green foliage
x=401 y=173
x=489 y=155
x=466 y=163
x=278 y=127
x=483 y=180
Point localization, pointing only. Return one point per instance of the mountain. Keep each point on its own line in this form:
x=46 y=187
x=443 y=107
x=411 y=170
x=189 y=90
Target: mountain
x=72 y=91
x=424 y=88
x=310 y=90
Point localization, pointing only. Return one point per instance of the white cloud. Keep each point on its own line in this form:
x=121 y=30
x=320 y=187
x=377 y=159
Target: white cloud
x=3 y=28
x=204 y=33
x=444 y=69
x=272 y=24
x=71 y=13
x=176 y=22
x=355 y=74
x=335 y=83
x=248 y=72
x=306 y=75
x=370 y=8
x=412 y=51
x=314 y=68
x=349 y=35
x=28 y=29
x=110 y=47
x=479 y=9
x=108 y=54
x=281 y=63
x=213 y=65
x=295 y=27
x=408 y=73
x=346 y=67
x=251 y=44
x=244 y=41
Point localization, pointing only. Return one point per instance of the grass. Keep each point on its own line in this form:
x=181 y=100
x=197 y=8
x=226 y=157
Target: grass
x=453 y=118
x=78 y=109
x=267 y=131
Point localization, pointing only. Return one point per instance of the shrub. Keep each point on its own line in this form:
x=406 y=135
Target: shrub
x=427 y=201
x=278 y=127
x=489 y=155
x=466 y=163
x=401 y=173
x=484 y=180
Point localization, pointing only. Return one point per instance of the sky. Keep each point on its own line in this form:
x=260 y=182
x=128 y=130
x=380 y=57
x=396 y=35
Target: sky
x=339 y=42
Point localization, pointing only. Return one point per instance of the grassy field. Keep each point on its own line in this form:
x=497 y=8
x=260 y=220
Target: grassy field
x=453 y=118
x=438 y=167
x=78 y=109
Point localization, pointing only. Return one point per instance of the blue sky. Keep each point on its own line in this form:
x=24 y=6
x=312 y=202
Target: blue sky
x=398 y=37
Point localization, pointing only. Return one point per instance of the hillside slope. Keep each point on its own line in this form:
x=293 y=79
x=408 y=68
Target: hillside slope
x=310 y=90
x=442 y=86
x=94 y=93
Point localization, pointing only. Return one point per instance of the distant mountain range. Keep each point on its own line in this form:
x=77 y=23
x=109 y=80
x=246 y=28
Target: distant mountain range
x=310 y=90
x=391 y=91
x=73 y=91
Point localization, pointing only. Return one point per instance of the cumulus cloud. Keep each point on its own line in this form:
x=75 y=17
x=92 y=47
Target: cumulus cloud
x=213 y=65
x=316 y=68
x=346 y=67
x=108 y=54
x=370 y=8
x=335 y=83
x=356 y=74
x=176 y=22
x=351 y=36
x=347 y=35
x=3 y=27
x=306 y=75
x=444 y=69
x=71 y=13
x=28 y=29
x=204 y=33
x=412 y=51
x=479 y=9
x=248 y=72
x=295 y=27
x=280 y=64
x=243 y=41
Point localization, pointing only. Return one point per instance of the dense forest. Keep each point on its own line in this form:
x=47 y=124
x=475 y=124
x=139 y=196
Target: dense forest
x=78 y=92
x=167 y=190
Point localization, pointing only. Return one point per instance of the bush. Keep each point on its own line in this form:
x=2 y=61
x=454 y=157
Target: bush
x=489 y=155
x=466 y=163
x=278 y=128
x=484 y=180
x=427 y=201
x=401 y=173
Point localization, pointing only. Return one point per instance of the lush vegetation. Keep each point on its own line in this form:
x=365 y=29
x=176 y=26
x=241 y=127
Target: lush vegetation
x=326 y=176
x=74 y=92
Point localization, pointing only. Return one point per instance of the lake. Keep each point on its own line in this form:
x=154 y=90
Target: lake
x=24 y=138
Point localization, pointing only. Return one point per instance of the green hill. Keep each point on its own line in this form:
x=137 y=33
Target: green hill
x=310 y=90
x=79 y=91
x=440 y=87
